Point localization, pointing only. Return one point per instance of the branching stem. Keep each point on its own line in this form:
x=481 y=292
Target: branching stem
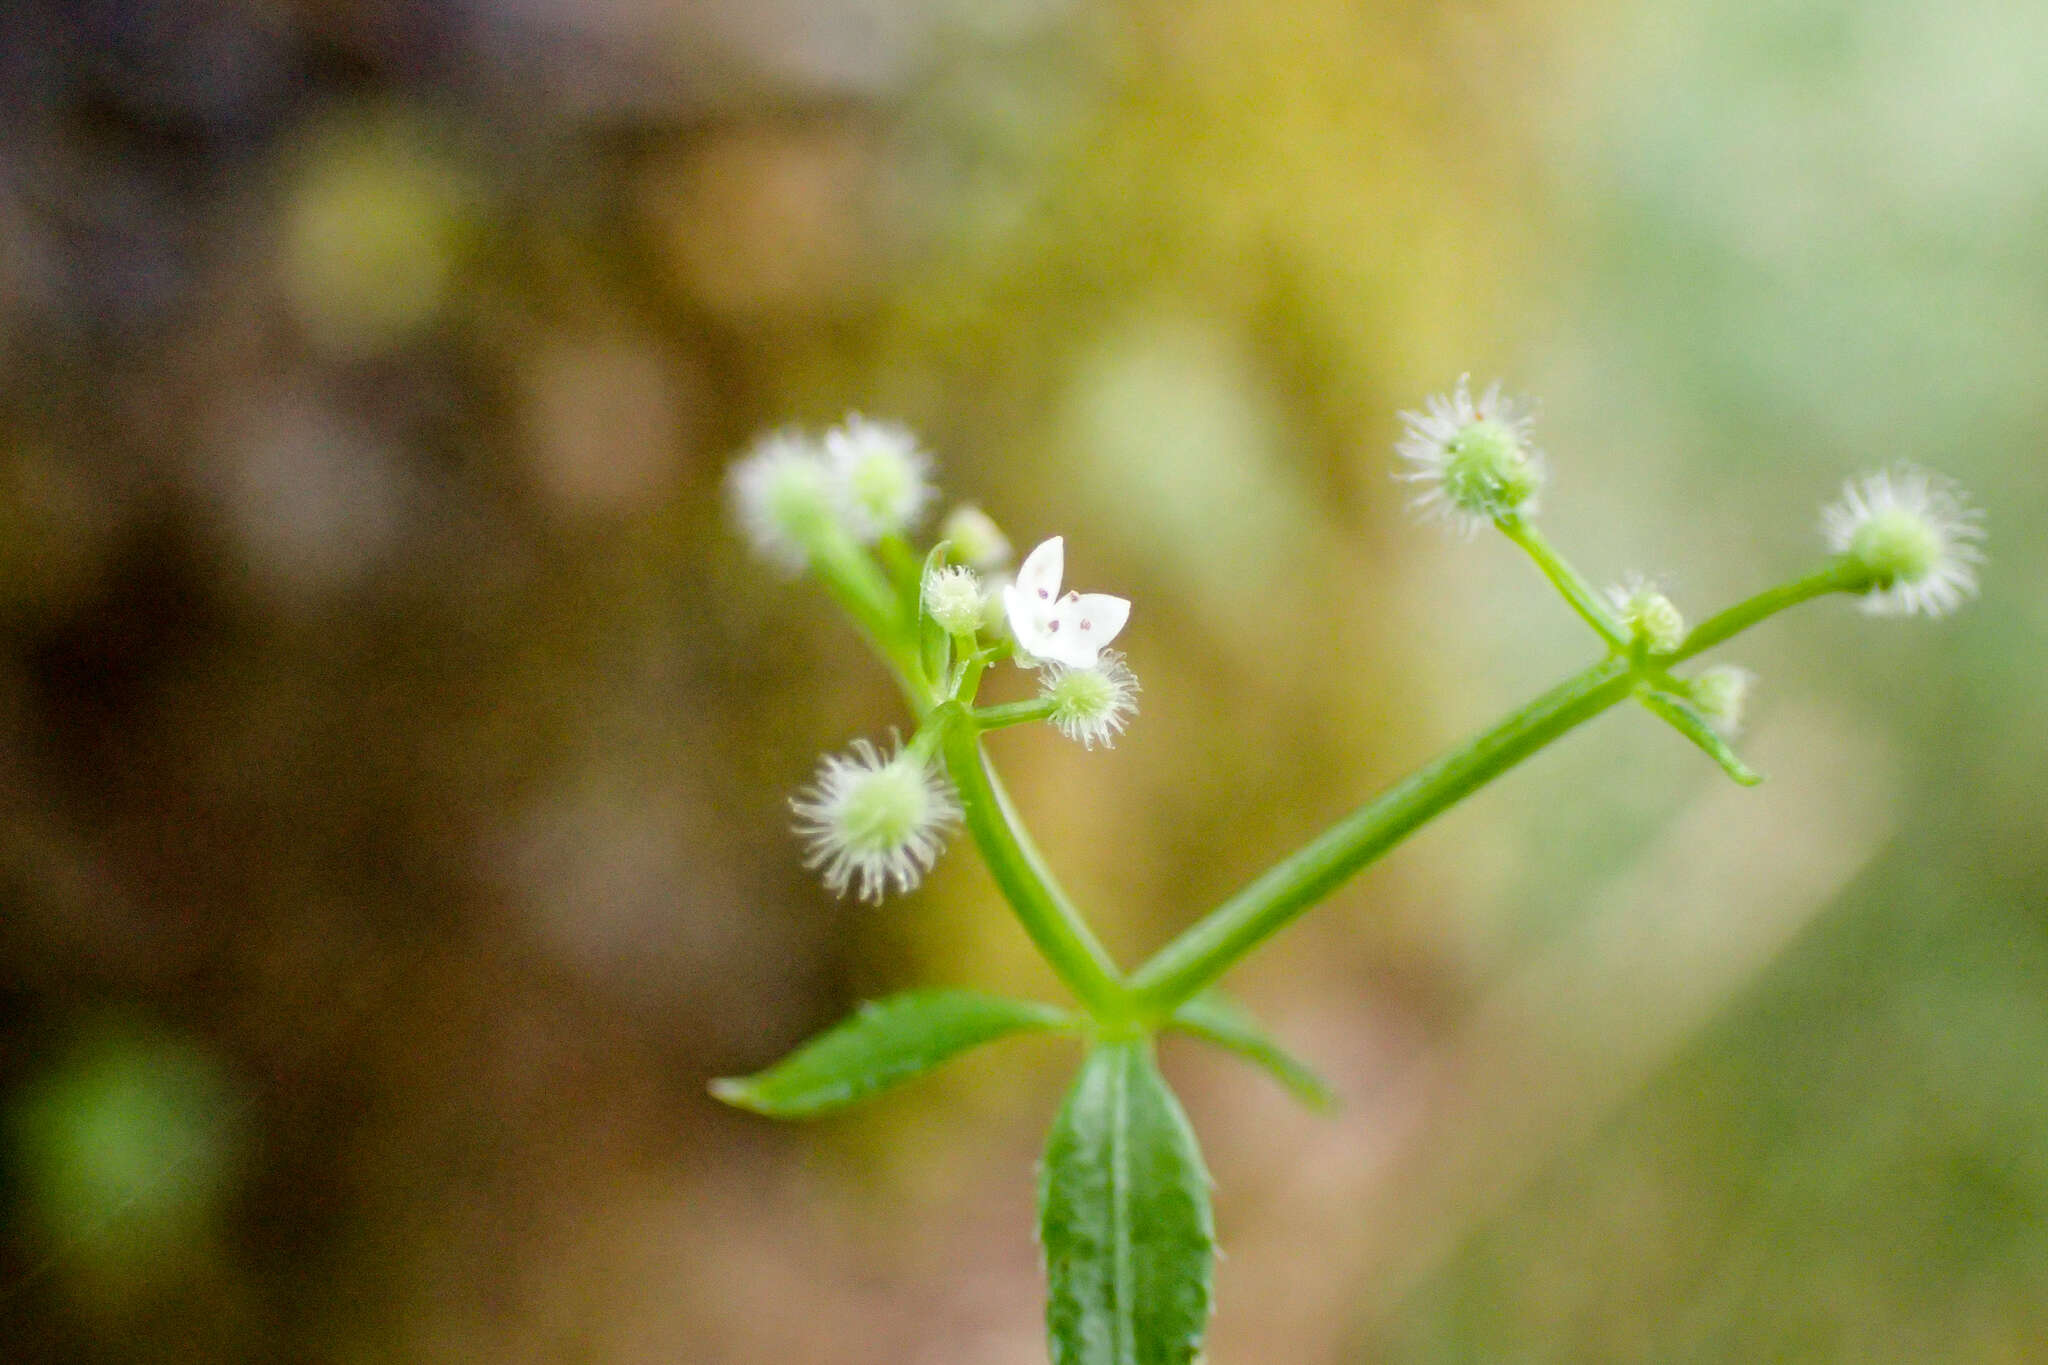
x=1202 y=954
x=1063 y=937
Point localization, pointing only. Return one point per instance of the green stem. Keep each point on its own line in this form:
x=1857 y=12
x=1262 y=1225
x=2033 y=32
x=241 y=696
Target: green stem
x=1208 y=949
x=973 y=662
x=1838 y=575
x=1584 y=598
x=903 y=565
x=1012 y=713
x=857 y=584
x=1052 y=921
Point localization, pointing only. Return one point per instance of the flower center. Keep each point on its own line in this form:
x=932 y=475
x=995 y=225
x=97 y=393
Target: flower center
x=1897 y=545
x=798 y=501
x=882 y=486
x=885 y=809
x=1083 y=693
x=1486 y=470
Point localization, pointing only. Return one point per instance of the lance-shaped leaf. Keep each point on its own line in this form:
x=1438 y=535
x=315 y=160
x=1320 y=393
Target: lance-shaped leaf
x=935 y=646
x=1687 y=719
x=882 y=1043
x=1124 y=1220
x=1215 y=1018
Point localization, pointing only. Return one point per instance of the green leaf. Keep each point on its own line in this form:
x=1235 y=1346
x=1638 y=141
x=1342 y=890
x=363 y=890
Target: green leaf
x=1123 y=1219
x=882 y=1043
x=1215 y=1018
x=935 y=646
x=1684 y=717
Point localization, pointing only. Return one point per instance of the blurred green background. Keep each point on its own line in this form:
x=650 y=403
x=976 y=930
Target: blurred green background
x=394 y=739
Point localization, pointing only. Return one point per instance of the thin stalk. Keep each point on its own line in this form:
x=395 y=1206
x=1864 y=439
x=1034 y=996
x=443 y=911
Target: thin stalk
x=1838 y=575
x=972 y=664
x=903 y=565
x=857 y=584
x=1584 y=598
x=1063 y=937
x=1208 y=949
x=1011 y=713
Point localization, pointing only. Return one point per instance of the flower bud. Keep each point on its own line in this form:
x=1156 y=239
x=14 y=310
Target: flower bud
x=1648 y=614
x=953 y=598
x=1721 y=693
x=995 y=616
x=975 y=537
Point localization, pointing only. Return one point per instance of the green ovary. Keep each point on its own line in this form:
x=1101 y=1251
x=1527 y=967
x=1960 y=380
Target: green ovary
x=1487 y=471
x=799 y=503
x=885 y=809
x=882 y=488
x=1897 y=546
x=1083 y=694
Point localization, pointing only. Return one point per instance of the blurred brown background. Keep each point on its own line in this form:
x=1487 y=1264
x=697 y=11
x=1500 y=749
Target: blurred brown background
x=394 y=739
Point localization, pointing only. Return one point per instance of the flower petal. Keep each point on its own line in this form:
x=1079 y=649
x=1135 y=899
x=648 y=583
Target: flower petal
x=1095 y=618
x=1031 y=601
x=1039 y=578
x=1077 y=627
x=1028 y=621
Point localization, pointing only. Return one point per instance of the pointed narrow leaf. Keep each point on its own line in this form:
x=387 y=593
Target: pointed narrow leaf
x=935 y=646
x=882 y=1043
x=1124 y=1220
x=1215 y=1018
x=1685 y=718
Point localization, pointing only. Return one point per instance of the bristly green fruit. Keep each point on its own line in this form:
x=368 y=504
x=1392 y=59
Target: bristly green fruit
x=1487 y=472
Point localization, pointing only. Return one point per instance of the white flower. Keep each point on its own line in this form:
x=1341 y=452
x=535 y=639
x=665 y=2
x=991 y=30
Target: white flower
x=1091 y=705
x=1069 y=630
x=952 y=596
x=1648 y=613
x=783 y=494
x=1914 y=533
x=868 y=821
x=1474 y=457
x=884 y=478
